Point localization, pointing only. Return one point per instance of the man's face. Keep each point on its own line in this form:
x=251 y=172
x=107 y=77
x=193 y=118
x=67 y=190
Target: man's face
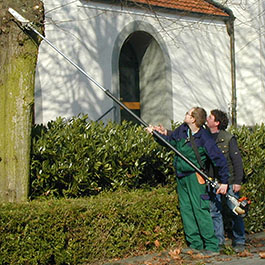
x=211 y=123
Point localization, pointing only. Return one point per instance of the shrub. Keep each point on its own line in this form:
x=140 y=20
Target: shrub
x=83 y=231
x=251 y=142
x=74 y=158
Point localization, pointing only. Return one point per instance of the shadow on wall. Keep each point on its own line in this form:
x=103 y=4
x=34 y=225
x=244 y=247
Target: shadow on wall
x=61 y=90
x=200 y=63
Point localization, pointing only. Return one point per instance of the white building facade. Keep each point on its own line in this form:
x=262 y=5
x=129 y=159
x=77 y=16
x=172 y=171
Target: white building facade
x=158 y=62
x=250 y=59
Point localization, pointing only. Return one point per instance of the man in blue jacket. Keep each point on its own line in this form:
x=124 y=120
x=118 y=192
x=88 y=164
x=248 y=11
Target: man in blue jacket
x=191 y=188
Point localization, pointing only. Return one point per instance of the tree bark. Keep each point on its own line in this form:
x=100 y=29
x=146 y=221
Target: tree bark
x=18 y=58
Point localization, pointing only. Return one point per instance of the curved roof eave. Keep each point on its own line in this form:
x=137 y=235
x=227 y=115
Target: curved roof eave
x=198 y=8
x=206 y=8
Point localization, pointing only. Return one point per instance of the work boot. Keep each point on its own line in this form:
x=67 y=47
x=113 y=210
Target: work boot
x=222 y=247
x=190 y=251
x=209 y=253
x=238 y=248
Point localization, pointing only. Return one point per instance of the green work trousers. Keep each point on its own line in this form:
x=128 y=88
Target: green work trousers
x=195 y=213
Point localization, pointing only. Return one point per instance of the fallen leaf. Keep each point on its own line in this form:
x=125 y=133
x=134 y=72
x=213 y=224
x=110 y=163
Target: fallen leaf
x=162 y=261
x=174 y=254
x=223 y=259
x=157 y=229
x=177 y=251
x=245 y=253
x=198 y=256
x=262 y=255
x=190 y=252
x=147 y=233
x=147 y=263
x=157 y=244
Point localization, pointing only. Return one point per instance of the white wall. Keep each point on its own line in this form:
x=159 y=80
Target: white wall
x=201 y=67
x=250 y=59
x=61 y=89
x=197 y=50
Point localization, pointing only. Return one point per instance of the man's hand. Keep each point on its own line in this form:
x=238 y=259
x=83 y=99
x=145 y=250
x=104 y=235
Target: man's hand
x=160 y=129
x=236 y=187
x=222 y=189
x=150 y=129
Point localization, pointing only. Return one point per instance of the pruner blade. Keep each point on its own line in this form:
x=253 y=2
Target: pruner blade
x=18 y=17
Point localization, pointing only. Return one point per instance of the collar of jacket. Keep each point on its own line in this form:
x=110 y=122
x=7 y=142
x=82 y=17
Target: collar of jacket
x=196 y=135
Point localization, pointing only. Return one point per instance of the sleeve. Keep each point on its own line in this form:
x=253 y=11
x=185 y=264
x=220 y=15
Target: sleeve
x=172 y=136
x=217 y=158
x=236 y=159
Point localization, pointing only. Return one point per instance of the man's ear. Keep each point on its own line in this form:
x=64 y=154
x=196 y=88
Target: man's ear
x=217 y=123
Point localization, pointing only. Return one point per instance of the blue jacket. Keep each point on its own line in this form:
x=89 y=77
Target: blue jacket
x=207 y=149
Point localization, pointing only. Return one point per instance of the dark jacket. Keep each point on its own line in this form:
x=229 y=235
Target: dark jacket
x=228 y=145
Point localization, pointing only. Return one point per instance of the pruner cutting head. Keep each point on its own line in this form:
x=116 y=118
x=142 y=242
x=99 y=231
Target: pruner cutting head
x=18 y=17
x=243 y=207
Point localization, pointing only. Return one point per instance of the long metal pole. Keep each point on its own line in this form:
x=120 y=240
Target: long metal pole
x=28 y=25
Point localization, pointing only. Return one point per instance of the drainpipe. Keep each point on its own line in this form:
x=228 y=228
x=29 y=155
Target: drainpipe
x=231 y=32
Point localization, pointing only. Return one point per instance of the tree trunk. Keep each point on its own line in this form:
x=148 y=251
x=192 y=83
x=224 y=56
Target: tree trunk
x=18 y=58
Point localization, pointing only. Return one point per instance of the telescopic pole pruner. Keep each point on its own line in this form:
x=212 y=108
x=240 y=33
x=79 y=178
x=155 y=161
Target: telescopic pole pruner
x=29 y=26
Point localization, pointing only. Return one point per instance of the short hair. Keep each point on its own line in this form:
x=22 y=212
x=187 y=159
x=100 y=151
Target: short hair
x=199 y=114
x=221 y=117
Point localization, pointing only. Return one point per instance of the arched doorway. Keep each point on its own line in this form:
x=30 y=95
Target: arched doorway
x=142 y=78
x=129 y=78
x=141 y=74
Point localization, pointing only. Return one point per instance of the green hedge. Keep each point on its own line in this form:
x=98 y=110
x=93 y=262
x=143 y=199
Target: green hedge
x=74 y=158
x=83 y=231
x=251 y=142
